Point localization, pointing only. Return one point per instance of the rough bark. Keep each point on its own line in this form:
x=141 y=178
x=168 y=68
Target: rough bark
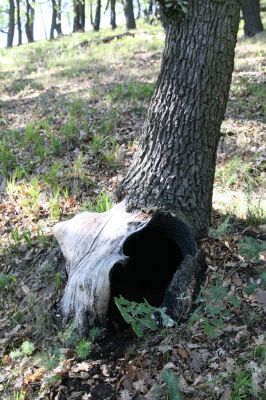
x=129 y=14
x=29 y=26
x=79 y=15
x=97 y=19
x=251 y=15
x=19 y=23
x=174 y=166
x=56 y=19
x=11 y=23
x=113 y=14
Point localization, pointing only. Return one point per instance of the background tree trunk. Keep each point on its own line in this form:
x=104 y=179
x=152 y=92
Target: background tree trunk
x=97 y=20
x=29 y=26
x=19 y=23
x=113 y=14
x=251 y=15
x=129 y=14
x=174 y=166
x=79 y=15
x=11 y=23
x=56 y=19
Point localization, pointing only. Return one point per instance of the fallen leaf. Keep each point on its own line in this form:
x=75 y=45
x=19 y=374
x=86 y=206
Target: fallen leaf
x=35 y=377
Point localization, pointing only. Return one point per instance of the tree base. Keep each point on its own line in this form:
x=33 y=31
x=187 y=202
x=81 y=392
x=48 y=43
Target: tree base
x=139 y=256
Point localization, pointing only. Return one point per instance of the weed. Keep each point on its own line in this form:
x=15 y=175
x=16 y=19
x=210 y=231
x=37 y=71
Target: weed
x=260 y=353
x=251 y=248
x=97 y=143
x=83 y=349
x=263 y=279
x=222 y=229
x=27 y=348
x=7 y=159
x=76 y=108
x=256 y=213
x=172 y=386
x=212 y=309
x=52 y=176
x=17 y=318
x=29 y=196
x=19 y=395
x=101 y=204
x=250 y=288
x=55 y=207
x=70 y=336
x=70 y=129
x=242 y=386
x=58 y=280
x=131 y=90
x=6 y=281
x=142 y=316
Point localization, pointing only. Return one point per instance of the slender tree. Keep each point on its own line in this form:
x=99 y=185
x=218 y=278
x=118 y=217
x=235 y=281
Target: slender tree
x=251 y=15
x=129 y=14
x=79 y=15
x=19 y=22
x=113 y=14
x=30 y=15
x=174 y=166
x=56 y=19
x=11 y=23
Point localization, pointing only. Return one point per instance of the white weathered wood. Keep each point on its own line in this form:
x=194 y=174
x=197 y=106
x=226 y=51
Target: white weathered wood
x=92 y=245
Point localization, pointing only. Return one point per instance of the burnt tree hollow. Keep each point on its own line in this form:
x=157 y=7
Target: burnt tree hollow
x=153 y=258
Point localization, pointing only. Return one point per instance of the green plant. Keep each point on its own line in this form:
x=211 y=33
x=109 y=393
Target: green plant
x=263 y=279
x=213 y=302
x=19 y=395
x=260 y=353
x=171 y=383
x=6 y=281
x=222 y=229
x=84 y=348
x=256 y=213
x=251 y=248
x=55 y=206
x=250 y=288
x=70 y=129
x=58 y=280
x=70 y=335
x=76 y=108
x=27 y=348
x=142 y=316
x=101 y=203
x=52 y=176
x=7 y=158
x=242 y=388
x=97 y=143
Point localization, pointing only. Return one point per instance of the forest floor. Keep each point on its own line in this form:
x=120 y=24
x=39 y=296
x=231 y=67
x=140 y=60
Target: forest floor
x=70 y=114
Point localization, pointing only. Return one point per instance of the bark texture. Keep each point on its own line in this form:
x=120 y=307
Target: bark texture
x=97 y=19
x=11 y=23
x=174 y=166
x=79 y=15
x=113 y=14
x=19 y=23
x=56 y=19
x=251 y=15
x=133 y=254
x=129 y=14
x=29 y=26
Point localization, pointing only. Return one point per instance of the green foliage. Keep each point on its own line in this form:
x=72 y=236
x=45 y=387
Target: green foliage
x=132 y=91
x=97 y=143
x=256 y=213
x=235 y=172
x=26 y=349
x=142 y=316
x=101 y=203
x=242 y=386
x=260 y=353
x=250 y=288
x=222 y=229
x=58 y=280
x=70 y=335
x=6 y=280
x=213 y=302
x=7 y=158
x=19 y=395
x=83 y=349
x=70 y=129
x=76 y=108
x=171 y=383
x=251 y=248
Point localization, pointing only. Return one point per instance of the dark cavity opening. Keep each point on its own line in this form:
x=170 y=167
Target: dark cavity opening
x=154 y=256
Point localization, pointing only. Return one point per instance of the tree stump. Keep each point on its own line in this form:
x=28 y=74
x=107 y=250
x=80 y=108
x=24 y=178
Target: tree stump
x=137 y=255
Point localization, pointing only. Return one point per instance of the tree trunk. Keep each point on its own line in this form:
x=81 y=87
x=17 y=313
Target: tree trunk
x=11 y=24
x=113 y=14
x=79 y=15
x=174 y=166
x=139 y=9
x=56 y=19
x=251 y=15
x=19 y=23
x=29 y=26
x=97 y=20
x=150 y=9
x=129 y=14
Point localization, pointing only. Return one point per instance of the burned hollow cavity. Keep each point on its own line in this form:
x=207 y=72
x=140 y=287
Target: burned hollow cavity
x=154 y=254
